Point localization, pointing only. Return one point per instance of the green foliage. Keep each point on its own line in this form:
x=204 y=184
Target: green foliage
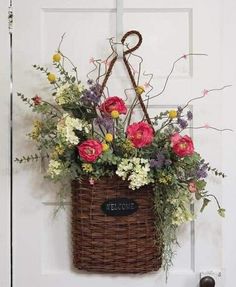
x=26 y=100
x=32 y=157
x=216 y=172
x=201 y=184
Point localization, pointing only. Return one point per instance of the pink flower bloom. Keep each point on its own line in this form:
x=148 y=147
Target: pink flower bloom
x=91 y=60
x=206 y=126
x=205 y=92
x=91 y=181
x=182 y=146
x=140 y=134
x=90 y=150
x=37 y=100
x=146 y=85
x=192 y=187
x=113 y=104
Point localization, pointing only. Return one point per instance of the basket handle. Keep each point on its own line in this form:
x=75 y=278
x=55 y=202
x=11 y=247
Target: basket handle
x=134 y=84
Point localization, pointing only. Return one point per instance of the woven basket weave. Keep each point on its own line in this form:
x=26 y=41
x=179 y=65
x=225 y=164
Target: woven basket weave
x=113 y=244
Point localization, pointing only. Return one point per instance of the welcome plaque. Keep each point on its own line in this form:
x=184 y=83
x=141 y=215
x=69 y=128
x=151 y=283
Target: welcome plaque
x=119 y=207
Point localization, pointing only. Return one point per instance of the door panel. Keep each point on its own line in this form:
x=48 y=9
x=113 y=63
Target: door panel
x=170 y=29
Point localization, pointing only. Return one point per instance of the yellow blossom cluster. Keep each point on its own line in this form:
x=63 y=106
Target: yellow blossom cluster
x=172 y=114
x=165 y=178
x=127 y=145
x=36 y=131
x=59 y=150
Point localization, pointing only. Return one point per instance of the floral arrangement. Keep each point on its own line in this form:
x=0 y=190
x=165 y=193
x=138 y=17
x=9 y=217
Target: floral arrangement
x=85 y=133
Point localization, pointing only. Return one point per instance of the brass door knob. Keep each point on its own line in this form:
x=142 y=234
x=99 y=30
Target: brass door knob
x=207 y=281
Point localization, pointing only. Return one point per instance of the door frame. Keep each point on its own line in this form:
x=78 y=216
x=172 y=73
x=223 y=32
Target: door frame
x=5 y=150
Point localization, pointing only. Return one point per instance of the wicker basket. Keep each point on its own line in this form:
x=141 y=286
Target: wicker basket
x=113 y=244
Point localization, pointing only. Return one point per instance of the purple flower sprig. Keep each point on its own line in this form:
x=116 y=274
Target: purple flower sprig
x=105 y=122
x=202 y=171
x=189 y=115
x=91 y=95
x=160 y=161
x=182 y=123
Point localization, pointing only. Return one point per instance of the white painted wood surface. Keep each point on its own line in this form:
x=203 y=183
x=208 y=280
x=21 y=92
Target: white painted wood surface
x=4 y=148
x=170 y=29
x=229 y=140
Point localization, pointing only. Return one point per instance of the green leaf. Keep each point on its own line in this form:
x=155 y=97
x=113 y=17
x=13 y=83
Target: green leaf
x=221 y=212
x=205 y=203
x=196 y=156
x=198 y=195
x=201 y=184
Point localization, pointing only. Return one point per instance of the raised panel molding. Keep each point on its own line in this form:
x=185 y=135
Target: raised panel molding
x=167 y=48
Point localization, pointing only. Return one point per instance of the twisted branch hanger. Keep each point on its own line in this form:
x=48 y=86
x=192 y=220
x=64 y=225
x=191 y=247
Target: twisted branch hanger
x=134 y=84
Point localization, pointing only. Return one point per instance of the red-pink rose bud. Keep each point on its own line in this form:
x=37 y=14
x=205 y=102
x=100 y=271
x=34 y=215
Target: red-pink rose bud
x=37 y=100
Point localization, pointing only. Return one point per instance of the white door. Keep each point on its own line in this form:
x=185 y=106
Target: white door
x=170 y=29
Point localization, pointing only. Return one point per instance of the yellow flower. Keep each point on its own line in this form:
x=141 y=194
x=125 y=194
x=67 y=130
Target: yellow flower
x=87 y=167
x=105 y=147
x=56 y=57
x=115 y=114
x=172 y=114
x=139 y=90
x=109 y=137
x=51 y=77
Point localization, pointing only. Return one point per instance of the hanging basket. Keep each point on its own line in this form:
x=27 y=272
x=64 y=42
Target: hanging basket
x=113 y=227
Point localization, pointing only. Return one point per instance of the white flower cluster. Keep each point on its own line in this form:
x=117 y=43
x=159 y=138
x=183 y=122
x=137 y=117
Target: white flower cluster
x=135 y=170
x=68 y=93
x=55 y=168
x=182 y=215
x=182 y=212
x=67 y=125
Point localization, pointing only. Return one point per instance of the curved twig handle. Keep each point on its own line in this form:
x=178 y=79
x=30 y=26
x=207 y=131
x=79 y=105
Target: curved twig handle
x=140 y=39
x=130 y=50
x=130 y=72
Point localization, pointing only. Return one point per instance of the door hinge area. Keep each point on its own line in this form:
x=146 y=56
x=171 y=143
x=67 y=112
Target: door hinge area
x=10 y=18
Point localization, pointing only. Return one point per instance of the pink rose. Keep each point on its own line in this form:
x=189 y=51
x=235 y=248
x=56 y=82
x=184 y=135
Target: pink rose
x=113 y=104
x=182 y=146
x=140 y=134
x=90 y=150
x=192 y=187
